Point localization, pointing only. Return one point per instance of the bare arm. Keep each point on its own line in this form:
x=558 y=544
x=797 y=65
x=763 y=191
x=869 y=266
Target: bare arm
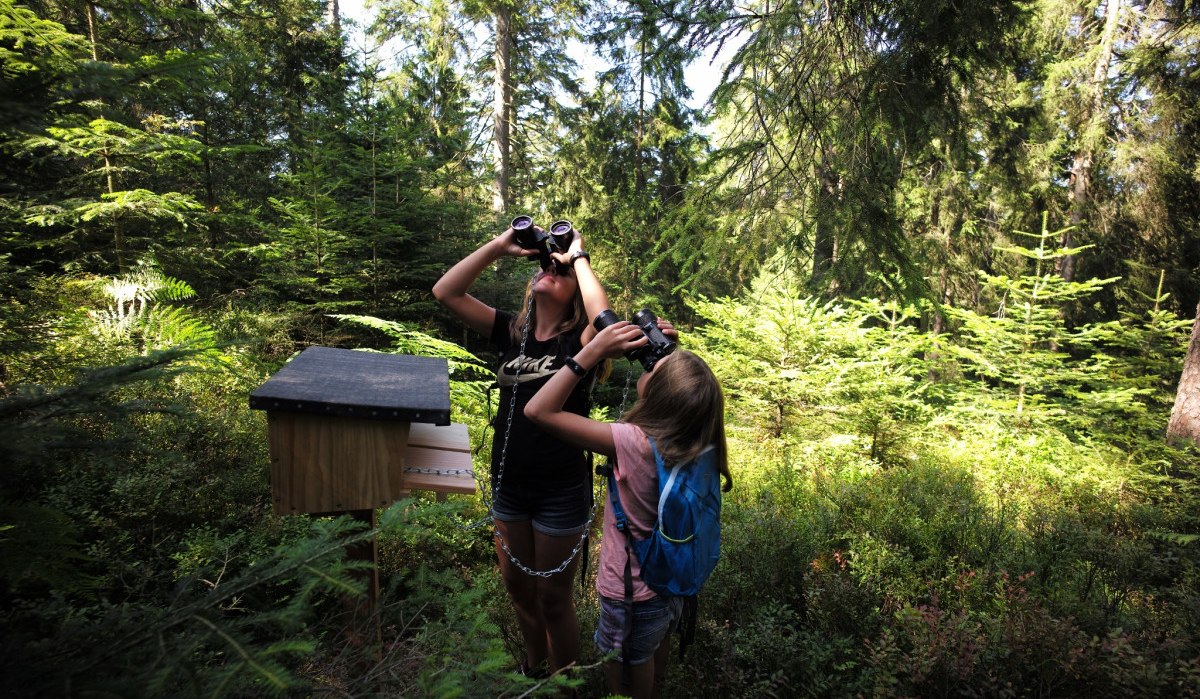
x=451 y=289
x=595 y=299
x=546 y=406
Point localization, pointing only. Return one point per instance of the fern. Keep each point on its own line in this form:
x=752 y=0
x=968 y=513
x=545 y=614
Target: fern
x=409 y=341
x=139 y=312
x=39 y=544
x=469 y=393
x=215 y=644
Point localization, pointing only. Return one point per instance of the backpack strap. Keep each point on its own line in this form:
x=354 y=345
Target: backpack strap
x=687 y=623
x=614 y=499
x=592 y=470
x=583 y=569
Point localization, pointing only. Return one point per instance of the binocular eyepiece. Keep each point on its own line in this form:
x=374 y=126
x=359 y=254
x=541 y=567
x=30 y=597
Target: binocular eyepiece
x=531 y=237
x=659 y=345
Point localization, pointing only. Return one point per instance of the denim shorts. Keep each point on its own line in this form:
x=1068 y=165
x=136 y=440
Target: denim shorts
x=652 y=621
x=556 y=509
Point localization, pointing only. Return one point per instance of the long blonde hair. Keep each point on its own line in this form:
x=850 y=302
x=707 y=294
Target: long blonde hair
x=683 y=408
x=576 y=315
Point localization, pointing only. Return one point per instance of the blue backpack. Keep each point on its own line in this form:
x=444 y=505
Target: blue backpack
x=684 y=545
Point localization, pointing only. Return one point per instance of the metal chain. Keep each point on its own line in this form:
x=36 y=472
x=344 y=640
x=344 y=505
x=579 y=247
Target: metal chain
x=591 y=518
x=625 y=393
x=440 y=471
x=561 y=566
x=512 y=407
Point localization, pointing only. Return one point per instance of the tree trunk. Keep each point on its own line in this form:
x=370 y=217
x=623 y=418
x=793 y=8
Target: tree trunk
x=118 y=234
x=502 y=108
x=334 y=16
x=1185 y=416
x=374 y=226
x=1092 y=124
x=639 y=178
x=823 y=241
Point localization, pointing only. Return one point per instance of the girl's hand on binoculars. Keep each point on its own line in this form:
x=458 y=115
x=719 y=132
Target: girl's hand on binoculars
x=507 y=246
x=565 y=257
x=576 y=243
x=618 y=338
x=668 y=329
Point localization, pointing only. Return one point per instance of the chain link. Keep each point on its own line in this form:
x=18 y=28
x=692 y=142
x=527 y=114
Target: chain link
x=440 y=471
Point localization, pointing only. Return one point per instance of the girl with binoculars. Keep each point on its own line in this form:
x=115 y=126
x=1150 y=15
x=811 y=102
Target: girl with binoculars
x=541 y=486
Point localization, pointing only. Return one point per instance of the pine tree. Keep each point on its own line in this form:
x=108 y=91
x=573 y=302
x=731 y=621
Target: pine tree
x=1019 y=354
x=822 y=107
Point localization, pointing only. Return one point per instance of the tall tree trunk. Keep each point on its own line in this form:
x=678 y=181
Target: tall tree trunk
x=639 y=177
x=210 y=185
x=1185 y=416
x=333 y=13
x=118 y=234
x=823 y=242
x=374 y=225
x=1093 y=124
x=502 y=108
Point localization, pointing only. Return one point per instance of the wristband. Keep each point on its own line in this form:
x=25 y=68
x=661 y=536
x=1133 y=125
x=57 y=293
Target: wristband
x=576 y=255
x=574 y=366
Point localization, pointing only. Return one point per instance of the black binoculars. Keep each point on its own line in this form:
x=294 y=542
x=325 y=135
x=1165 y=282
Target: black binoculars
x=658 y=346
x=531 y=237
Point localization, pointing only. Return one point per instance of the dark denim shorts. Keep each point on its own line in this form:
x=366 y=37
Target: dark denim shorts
x=556 y=509
x=652 y=621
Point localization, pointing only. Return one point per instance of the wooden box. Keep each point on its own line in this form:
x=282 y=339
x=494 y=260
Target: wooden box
x=352 y=430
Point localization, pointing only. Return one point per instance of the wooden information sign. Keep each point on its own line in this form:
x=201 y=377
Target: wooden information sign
x=351 y=430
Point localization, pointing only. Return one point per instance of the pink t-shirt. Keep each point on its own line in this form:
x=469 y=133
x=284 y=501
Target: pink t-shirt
x=637 y=483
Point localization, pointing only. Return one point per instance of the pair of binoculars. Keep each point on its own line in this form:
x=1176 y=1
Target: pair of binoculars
x=532 y=237
x=650 y=353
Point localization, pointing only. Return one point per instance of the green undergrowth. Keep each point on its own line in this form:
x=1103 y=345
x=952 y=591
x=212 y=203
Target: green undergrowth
x=987 y=512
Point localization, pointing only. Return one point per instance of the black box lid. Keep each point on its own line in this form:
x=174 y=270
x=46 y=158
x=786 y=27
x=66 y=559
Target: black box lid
x=352 y=383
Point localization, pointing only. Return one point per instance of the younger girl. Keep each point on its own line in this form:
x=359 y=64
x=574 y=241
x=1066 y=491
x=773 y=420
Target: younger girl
x=681 y=406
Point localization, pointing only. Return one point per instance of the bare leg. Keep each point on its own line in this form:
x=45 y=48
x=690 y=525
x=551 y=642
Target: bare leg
x=662 y=656
x=646 y=680
x=556 y=603
x=523 y=588
x=641 y=679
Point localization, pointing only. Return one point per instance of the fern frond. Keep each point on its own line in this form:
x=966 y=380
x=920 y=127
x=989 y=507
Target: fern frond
x=410 y=341
x=275 y=676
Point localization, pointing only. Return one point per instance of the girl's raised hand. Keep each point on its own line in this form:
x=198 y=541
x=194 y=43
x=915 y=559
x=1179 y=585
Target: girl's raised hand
x=617 y=339
x=668 y=329
x=506 y=244
x=576 y=244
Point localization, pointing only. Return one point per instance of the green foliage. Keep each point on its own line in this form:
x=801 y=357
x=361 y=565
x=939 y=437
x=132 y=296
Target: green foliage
x=39 y=58
x=139 y=314
x=1029 y=365
x=791 y=363
x=39 y=545
x=469 y=376
x=976 y=550
x=949 y=465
